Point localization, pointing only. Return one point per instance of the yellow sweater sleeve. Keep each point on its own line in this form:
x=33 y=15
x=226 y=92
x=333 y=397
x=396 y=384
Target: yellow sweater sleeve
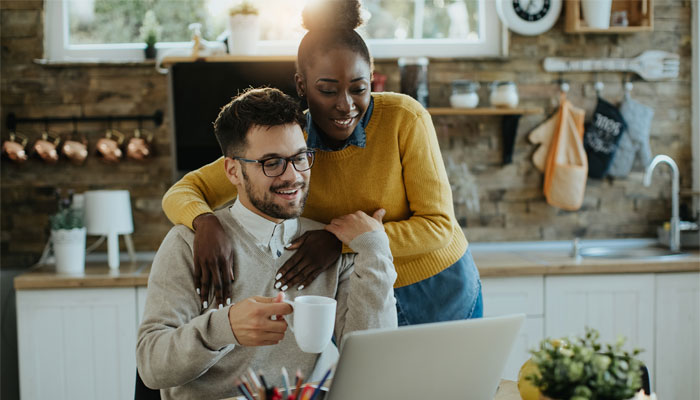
x=428 y=192
x=198 y=193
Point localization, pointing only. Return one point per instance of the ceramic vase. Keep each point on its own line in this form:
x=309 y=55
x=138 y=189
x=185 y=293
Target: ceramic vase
x=69 y=249
x=244 y=33
x=596 y=13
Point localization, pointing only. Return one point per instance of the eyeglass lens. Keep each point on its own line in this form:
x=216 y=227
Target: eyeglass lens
x=277 y=166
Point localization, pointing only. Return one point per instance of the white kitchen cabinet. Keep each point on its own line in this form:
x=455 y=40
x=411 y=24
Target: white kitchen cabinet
x=678 y=336
x=503 y=296
x=614 y=304
x=77 y=343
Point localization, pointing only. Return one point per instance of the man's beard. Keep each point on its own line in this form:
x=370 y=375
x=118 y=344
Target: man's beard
x=266 y=204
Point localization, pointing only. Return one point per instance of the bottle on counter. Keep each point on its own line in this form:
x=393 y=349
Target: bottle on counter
x=414 y=78
x=504 y=94
x=464 y=94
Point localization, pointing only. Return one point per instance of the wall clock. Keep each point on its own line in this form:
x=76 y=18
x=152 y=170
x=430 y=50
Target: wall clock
x=528 y=17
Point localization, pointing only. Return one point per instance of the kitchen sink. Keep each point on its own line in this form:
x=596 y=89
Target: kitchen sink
x=628 y=252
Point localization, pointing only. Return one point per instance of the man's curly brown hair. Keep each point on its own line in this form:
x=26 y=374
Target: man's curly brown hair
x=255 y=106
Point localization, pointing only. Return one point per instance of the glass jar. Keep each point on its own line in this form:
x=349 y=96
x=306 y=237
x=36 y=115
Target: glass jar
x=464 y=94
x=504 y=94
x=414 y=78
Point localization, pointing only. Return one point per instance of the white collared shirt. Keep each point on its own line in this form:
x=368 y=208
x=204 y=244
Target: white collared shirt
x=269 y=236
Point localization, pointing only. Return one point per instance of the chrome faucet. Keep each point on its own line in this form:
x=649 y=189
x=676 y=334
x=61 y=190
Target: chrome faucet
x=675 y=239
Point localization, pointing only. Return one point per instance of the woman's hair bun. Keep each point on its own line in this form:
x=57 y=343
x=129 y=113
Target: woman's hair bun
x=331 y=14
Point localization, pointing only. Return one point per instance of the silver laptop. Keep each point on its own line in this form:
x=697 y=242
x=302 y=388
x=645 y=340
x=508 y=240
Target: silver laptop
x=443 y=360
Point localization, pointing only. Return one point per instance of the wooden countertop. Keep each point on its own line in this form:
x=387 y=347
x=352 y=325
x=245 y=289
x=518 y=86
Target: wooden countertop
x=97 y=274
x=557 y=262
x=491 y=263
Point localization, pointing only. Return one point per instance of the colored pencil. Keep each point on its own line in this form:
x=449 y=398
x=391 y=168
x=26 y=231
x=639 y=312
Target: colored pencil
x=318 y=388
x=297 y=388
x=254 y=379
x=285 y=381
x=244 y=390
x=244 y=380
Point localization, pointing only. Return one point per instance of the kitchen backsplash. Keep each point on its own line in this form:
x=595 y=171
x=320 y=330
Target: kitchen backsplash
x=510 y=201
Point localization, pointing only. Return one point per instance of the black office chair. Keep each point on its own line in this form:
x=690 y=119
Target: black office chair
x=143 y=392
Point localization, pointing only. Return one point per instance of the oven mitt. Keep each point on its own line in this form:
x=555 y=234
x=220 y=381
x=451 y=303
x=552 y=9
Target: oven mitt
x=603 y=133
x=634 y=144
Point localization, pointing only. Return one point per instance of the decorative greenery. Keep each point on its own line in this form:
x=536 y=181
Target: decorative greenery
x=245 y=7
x=150 y=30
x=580 y=369
x=67 y=216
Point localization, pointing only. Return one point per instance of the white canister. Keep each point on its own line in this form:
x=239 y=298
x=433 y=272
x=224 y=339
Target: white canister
x=244 y=33
x=504 y=94
x=69 y=249
x=464 y=94
x=596 y=13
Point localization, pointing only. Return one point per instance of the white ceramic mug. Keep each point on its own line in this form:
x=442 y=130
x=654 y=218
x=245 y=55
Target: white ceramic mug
x=314 y=319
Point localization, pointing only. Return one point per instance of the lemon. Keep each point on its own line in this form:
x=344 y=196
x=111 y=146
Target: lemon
x=527 y=390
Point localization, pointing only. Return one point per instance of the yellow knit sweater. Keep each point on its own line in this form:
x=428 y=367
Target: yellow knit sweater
x=400 y=169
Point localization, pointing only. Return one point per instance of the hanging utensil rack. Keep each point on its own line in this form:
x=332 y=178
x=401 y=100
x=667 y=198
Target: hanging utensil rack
x=12 y=120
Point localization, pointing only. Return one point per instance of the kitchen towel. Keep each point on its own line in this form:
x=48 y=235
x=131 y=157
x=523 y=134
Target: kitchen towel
x=567 y=164
x=634 y=144
x=602 y=135
x=543 y=133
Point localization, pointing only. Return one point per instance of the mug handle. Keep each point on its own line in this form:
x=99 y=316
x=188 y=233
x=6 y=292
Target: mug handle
x=289 y=321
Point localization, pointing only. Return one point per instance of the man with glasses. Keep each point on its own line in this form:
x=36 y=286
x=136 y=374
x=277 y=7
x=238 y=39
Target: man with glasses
x=194 y=348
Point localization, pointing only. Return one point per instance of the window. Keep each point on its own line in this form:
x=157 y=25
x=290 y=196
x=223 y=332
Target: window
x=109 y=29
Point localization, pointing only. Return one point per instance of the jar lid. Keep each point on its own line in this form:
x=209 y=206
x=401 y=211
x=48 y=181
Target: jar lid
x=422 y=61
x=466 y=83
x=502 y=83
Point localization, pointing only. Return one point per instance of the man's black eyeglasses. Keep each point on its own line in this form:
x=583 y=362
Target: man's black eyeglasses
x=275 y=166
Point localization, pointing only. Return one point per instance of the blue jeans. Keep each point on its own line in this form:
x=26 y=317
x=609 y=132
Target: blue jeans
x=453 y=294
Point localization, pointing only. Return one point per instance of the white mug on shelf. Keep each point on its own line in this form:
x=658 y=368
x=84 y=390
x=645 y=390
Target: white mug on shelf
x=314 y=319
x=596 y=13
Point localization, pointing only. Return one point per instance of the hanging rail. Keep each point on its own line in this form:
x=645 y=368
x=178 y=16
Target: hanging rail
x=12 y=120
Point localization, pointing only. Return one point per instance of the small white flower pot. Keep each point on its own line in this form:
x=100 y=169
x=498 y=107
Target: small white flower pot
x=69 y=249
x=596 y=13
x=244 y=33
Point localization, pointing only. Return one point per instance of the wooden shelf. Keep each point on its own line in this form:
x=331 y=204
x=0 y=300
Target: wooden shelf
x=167 y=61
x=485 y=111
x=640 y=14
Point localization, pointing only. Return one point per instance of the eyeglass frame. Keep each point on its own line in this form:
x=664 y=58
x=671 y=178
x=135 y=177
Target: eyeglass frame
x=287 y=160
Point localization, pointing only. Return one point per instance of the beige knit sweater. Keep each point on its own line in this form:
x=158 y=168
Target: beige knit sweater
x=191 y=353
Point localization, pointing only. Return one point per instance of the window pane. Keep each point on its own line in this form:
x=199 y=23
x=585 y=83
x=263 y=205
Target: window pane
x=118 y=21
x=438 y=19
x=444 y=19
x=389 y=19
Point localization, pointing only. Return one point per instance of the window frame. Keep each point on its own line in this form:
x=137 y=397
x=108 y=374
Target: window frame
x=57 y=47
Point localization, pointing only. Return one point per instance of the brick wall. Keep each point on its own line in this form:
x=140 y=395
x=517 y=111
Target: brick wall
x=512 y=206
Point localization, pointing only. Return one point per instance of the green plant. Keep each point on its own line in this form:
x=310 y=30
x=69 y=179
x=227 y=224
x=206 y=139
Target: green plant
x=67 y=217
x=150 y=30
x=244 y=7
x=581 y=369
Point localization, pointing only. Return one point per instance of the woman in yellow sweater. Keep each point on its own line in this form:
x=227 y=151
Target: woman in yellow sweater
x=372 y=151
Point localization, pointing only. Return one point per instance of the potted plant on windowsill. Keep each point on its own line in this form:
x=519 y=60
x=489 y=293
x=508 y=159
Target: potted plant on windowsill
x=68 y=236
x=580 y=368
x=150 y=33
x=244 y=28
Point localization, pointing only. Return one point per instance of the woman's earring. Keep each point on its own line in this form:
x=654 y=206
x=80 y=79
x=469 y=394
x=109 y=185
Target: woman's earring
x=108 y=148
x=14 y=148
x=139 y=148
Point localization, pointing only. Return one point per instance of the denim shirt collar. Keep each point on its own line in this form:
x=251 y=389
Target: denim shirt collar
x=358 y=137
